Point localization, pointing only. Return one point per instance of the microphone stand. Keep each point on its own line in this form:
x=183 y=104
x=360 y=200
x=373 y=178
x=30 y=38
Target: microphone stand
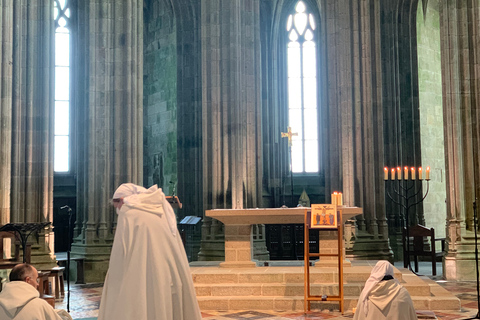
x=69 y=210
x=475 y=225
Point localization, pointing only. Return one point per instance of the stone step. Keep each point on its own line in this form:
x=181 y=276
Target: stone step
x=281 y=288
x=292 y=289
x=295 y=303
x=281 y=275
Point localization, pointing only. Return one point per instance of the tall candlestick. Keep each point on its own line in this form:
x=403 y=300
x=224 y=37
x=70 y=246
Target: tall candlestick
x=399 y=173
x=427 y=174
x=405 y=170
x=393 y=174
x=386 y=173
x=413 y=173
x=420 y=173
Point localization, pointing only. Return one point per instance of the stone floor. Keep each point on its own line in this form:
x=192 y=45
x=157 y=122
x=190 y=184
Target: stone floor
x=85 y=300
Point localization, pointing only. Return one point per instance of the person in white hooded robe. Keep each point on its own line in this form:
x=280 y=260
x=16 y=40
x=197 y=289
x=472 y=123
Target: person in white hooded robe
x=383 y=297
x=19 y=299
x=148 y=277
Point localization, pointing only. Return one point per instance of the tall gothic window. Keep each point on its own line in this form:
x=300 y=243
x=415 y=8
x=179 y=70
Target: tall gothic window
x=302 y=89
x=62 y=86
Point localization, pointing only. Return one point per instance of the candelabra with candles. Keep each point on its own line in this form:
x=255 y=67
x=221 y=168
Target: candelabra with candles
x=406 y=195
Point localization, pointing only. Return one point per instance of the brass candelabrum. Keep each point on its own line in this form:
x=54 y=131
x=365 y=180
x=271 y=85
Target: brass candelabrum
x=406 y=194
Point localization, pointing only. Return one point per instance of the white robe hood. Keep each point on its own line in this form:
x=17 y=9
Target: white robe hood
x=148 y=277
x=381 y=269
x=15 y=295
x=20 y=301
x=384 y=300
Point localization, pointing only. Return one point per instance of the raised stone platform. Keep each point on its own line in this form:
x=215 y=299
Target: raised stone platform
x=281 y=288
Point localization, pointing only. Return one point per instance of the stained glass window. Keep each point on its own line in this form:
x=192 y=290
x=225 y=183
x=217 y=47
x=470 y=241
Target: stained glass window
x=302 y=89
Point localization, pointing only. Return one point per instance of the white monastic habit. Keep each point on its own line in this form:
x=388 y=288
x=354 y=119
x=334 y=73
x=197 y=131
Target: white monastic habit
x=20 y=301
x=148 y=277
x=384 y=299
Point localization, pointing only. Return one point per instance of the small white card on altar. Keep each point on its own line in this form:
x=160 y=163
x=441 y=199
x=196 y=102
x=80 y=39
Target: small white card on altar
x=323 y=216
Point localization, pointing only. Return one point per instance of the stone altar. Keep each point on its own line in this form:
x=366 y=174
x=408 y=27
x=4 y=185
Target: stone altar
x=238 y=228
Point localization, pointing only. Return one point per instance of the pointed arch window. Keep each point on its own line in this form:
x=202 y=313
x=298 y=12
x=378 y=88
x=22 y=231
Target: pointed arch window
x=62 y=143
x=302 y=88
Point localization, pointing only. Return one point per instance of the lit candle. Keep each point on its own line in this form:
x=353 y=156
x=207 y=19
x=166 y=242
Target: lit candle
x=413 y=173
x=340 y=199
x=386 y=173
x=406 y=173
x=399 y=173
x=393 y=174
x=334 y=197
x=420 y=173
x=427 y=174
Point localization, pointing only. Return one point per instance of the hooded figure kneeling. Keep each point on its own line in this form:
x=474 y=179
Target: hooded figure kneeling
x=383 y=297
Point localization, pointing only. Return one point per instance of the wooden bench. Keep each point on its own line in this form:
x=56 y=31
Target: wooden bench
x=80 y=267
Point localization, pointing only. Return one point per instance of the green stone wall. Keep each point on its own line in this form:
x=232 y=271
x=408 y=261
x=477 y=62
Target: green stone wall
x=431 y=113
x=160 y=96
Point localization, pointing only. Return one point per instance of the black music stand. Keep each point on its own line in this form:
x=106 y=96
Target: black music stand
x=23 y=231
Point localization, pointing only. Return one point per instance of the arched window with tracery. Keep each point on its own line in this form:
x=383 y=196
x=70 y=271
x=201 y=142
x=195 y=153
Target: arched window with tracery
x=303 y=88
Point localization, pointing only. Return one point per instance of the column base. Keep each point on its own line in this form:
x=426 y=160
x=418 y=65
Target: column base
x=460 y=265
x=212 y=250
x=97 y=258
x=366 y=247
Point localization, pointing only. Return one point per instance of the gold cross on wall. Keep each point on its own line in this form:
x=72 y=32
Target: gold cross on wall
x=289 y=135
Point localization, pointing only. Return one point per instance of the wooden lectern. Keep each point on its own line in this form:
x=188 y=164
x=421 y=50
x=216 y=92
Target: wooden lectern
x=323 y=217
x=174 y=202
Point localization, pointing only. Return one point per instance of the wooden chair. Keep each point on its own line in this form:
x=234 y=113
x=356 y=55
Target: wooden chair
x=57 y=275
x=44 y=288
x=418 y=246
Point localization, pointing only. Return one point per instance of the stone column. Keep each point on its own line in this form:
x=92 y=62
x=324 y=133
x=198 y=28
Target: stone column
x=460 y=36
x=6 y=83
x=27 y=109
x=355 y=137
x=109 y=113
x=231 y=126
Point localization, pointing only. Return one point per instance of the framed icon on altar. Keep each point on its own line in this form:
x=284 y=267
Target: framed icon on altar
x=323 y=216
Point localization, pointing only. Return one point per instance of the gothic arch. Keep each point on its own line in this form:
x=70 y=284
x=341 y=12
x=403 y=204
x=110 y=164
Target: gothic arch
x=275 y=109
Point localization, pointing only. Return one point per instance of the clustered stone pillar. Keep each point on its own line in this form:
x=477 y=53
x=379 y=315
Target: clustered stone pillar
x=355 y=117
x=26 y=114
x=231 y=114
x=6 y=81
x=459 y=21
x=109 y=111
